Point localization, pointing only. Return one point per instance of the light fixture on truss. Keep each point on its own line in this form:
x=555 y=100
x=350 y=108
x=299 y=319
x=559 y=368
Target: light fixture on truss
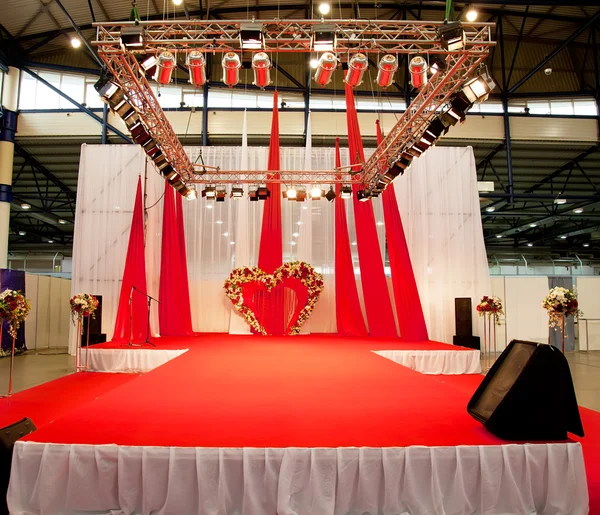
x=357 y=65
x=196 y=65
x=323 y=39
x=387 y=67
x=231 y=69
x=261 y=66
x=327 y=64
x=251 y=36
x=452 y=36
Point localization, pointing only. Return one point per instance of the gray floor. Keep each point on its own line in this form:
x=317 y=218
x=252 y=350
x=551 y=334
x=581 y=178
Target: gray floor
x=33 y=368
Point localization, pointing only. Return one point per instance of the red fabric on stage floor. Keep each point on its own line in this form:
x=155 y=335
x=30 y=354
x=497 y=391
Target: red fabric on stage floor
x=132 y=320
x=406 y=294
x=184 y=290
x=378 y=305
x=348 y=315
x=270 y=254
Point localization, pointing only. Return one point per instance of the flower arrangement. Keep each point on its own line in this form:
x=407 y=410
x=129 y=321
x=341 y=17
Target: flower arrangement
x=491 y=306
x=300 y=270
x=83 y=305
x=14 y=308
x=561 y=302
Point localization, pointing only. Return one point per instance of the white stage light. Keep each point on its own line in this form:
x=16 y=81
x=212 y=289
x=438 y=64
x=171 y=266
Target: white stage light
x=314 y=63
x=251 y=36
x=261 y=66
x=231 y=69
x=357 y=65
x=192 y=194
x=418 y=72
x=75 y=42
x=290 y=193
x=387 y=67
x=323 y=38
x=316 y=193
x=177 y=2
x=452 y=36
x=472 y=15
x=325 y=68
x=346 y=192
x=164 y=67
x=197 y=66
x=324 y=9
x=479 y=88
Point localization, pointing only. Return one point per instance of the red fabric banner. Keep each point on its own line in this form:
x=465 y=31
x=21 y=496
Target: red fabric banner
x=131 y=321
x=171 y=316
x=378 y=305
x=270 y=254
x=348 y=315
x=406 y=294
x=185 y=305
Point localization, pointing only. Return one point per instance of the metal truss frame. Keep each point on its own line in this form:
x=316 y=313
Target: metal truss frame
x=394 y=36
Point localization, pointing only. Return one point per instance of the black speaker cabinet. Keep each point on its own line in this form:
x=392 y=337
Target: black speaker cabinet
x=528 y=395
x=463 y=317
x=8 y=436
x=471 y=342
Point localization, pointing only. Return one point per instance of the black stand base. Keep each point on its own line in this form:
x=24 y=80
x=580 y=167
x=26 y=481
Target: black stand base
x=471 y=342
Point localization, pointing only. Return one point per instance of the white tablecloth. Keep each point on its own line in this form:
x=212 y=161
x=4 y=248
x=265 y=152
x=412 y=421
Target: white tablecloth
x=129 y=360
x=543 y=479
x=436 y=361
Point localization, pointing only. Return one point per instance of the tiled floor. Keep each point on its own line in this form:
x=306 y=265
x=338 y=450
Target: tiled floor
x=35 y=368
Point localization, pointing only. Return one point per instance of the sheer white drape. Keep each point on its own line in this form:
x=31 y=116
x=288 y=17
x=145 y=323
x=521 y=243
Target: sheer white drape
x=438 y=201
x=439 y=204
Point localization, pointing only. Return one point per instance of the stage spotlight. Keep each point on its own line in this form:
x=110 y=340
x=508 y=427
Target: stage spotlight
x=330 y=195
x=290 y=193
x=316 y=193
x=479 y=88
x=236 y=191
x=251 y=36
x=301 y=194
x=192 y=193
x=197 y=67
x=125 y=110
x=346 y=191
x=221 y=193
x=153 y=150
x=149 y=66
x=585 y=244
x=132 y=37
x=362 y=195
x=323 y=39
x=387 y=67
x=177 y=2
x=324 y=9
x=110 y=92
x=164 y=67
x=209 y=192
x=357 y=65
x=263 y=192
x=231 y=69
x=452 y=36
x=459 y=105
x=530 y=244
x=436 y=64
x=325 y=68
x=170 y=174
x=261 y=65
x=415 y=151
x=418 y=72
x=160 y=160
x=140 y=134
x=252 y=193
x=436 y=129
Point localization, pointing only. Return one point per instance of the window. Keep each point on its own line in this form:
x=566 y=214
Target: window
x=74 y=87
x=169 y=96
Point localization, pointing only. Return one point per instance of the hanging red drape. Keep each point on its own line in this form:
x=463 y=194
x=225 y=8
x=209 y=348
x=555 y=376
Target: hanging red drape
x=378 y=305
x=172 y=307
x=186 y=312
x=131 y=321
x=348 y=315
x=406 y=295
x=270 y=254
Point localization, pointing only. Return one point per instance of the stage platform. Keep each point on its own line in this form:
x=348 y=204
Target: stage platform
x=259 y=425
x=427 y=357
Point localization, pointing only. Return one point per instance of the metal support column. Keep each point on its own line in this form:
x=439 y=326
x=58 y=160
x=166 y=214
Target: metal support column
x=104 y=124
x=8 y=126
x=509 y=170
x=205 y=115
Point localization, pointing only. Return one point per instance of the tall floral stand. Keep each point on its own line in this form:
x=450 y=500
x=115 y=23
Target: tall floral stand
x=79 y=366
x=12 y=360
x=562 y=331
x=489 y=340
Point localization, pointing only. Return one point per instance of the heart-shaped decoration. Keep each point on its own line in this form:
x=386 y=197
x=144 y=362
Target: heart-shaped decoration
x=247 y=286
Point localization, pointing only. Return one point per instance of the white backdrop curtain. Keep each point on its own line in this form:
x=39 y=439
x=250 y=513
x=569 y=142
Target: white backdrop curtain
x=438 y=200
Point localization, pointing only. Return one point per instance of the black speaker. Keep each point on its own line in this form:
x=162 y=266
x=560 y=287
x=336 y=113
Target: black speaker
x=463 y=317
x=471 y=342
x=8 y=436
x=528 y=395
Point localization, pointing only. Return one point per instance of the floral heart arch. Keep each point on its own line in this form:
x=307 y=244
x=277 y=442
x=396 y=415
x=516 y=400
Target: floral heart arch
x=247 y=284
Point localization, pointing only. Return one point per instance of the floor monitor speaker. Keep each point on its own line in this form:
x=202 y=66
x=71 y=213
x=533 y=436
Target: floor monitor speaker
x=528 y=395
x=8 y=436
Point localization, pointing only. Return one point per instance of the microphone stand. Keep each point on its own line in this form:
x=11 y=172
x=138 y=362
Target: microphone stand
x=150 y=299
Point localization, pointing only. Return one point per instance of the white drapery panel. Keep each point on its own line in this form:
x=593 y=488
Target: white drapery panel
x=547 y=479
x=439 y=204
x=438 y=200
x=447 y=362
x=130 y=361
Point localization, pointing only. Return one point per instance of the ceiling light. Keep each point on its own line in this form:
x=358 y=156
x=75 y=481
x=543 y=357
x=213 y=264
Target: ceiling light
x=22 y=233
x=357 y=65
x=490 y=209
x=452 y=36
x=325 y=67
x=231 y=69
x=177 y=2
x=548 y=71
x=533 y=225
x=560 y=201
x=75 y=42
x=251 y=36
x=323 y=39
x=50 y=241
x=164 y=67
x=418 y=71
x=290 y=193
x=314 y=63
x=563 y=237
x=472 y=15
x=261 y=66
x=388 y=65
x=585 y=244
x=197 y=67
x=578 y=210
x=498 y=236
x=62 y=221
x=530 y=244
x=324 y=9
x=24 y=205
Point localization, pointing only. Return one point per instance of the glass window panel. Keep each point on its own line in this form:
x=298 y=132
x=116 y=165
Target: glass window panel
x=586 y=107
x=170 y=96
x=538 y=106
x=27 y=93
x=193 y=97
x=564 y=107
x=92 y=99
x=490 y=107
x=220 y=98
x=74 y=87
x=45 y=98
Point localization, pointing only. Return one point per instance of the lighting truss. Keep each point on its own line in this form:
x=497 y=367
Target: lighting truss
x=410 y=127
x=288 y=177
x=391 y=36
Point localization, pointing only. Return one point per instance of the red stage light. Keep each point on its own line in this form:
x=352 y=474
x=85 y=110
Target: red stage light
x=231 y=69
x=326 y=67
x=197 y=67
x=164 y=68
x=261 y=66
x=357 y=66
x=418 y=71
x=386 y=69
